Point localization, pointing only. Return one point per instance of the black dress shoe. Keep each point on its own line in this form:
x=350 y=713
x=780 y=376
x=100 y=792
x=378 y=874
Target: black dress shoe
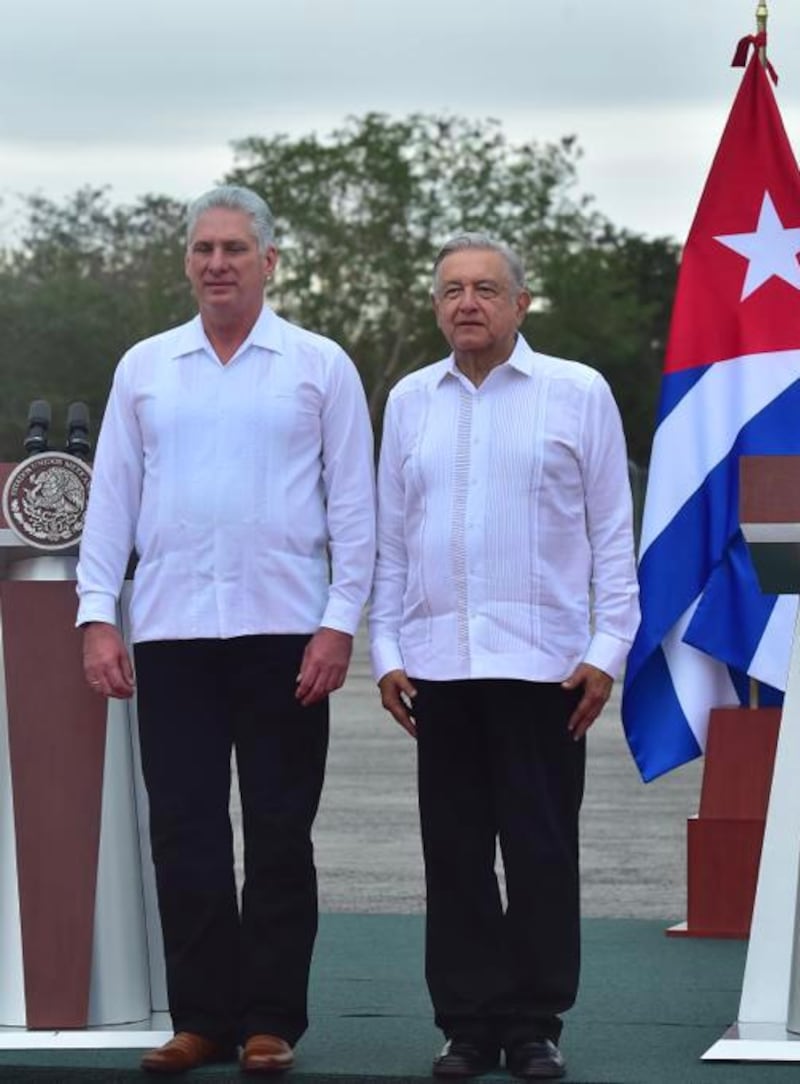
x=537 y=1059
x=464 y=1057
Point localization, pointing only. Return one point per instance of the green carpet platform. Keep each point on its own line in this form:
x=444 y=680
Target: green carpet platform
x=648 y=1009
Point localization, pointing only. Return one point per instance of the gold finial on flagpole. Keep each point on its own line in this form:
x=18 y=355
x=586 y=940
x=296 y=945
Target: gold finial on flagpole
x=761 y=27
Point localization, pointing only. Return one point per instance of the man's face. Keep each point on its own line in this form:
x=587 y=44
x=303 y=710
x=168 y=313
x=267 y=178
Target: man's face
x=477 y=307
x=224 y=266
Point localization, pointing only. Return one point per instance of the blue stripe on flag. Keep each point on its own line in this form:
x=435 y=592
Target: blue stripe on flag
x=674 y=386
x=668 y=741
x=697 y=553
x=732 y=614
x=678 y=563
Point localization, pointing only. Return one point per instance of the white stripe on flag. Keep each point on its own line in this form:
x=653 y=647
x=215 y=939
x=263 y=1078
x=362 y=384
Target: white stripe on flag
x=700 y=682
x=770 y=662
x=708 y=420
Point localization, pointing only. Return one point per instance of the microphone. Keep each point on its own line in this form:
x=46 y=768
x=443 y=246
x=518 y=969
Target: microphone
x=78 y=430
x=38 y=424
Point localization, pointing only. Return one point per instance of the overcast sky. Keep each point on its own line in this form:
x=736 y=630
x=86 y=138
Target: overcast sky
x=147 y=97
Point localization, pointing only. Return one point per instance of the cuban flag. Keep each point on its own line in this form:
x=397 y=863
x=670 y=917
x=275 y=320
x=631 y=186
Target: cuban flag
x=731 y=387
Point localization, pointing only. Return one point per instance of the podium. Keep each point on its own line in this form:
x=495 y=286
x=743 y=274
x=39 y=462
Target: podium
x=724 y=838
x=80 y=942
x=768 y=1027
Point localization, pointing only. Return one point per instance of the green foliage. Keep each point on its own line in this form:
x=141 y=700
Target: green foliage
x=608 y=304
x=362 y=213
x=86 y=282
x=360 y=216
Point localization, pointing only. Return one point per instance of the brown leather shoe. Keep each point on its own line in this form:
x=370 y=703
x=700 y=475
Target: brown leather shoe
x=266 y=1054
x=185 y=1051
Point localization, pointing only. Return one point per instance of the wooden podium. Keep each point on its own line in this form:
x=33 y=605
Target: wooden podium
x=723 y=844
x=768 y=1027
x=81 y=961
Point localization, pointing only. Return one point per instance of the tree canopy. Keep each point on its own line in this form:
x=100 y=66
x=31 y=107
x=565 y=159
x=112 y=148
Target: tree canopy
x=87 y=280
x=360 y=215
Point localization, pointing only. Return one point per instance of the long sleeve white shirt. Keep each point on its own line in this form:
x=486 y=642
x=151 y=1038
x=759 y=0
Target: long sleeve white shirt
x=245 y=489
x=505 y=546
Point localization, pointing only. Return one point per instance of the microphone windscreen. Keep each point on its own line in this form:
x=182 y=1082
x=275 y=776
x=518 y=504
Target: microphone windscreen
x=39 y=413
x=78 y=416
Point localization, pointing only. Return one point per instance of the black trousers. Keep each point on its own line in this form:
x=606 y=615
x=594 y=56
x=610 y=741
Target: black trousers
x=232 y=973
x=496 y=763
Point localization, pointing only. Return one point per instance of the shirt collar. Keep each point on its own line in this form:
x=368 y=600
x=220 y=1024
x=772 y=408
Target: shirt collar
x=266 y=333
x=521 y=359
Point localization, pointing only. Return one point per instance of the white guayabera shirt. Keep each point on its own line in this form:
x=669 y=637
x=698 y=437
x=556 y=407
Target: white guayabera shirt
x=246 y=489
x=505 y=543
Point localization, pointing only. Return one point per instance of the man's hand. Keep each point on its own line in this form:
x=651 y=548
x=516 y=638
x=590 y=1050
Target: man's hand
x=324 y=665
x=397 y=694
x=106 y=664
x=597 y=685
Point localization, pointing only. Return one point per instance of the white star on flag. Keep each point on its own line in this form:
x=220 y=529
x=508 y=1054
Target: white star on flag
x=771 y=250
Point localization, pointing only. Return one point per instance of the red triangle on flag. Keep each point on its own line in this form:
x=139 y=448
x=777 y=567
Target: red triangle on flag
x=712 y=319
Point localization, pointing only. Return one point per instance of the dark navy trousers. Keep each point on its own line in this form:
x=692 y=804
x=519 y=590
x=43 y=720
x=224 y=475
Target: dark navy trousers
x=498 y=770
x=233 y=970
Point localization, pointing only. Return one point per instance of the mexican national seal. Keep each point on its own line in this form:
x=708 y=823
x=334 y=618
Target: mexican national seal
x=44 y=500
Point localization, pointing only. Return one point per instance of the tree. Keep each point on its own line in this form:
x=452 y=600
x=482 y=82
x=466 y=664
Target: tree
x=86 y=281
x=360 y=215
x=608 y=304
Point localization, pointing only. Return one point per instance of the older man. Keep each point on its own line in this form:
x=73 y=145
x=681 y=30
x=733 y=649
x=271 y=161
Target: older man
x=505 y=601
x=235 y=460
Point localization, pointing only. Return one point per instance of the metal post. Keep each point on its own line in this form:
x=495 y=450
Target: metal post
x=761 y=27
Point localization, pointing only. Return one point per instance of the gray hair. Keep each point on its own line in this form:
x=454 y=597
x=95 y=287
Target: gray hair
x=481 y=241
x=235 y=198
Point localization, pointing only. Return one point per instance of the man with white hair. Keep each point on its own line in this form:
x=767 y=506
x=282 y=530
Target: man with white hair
x=505 y=602
x=235 y=460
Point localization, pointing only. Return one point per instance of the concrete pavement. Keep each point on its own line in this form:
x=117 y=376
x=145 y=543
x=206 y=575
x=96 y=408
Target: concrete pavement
x=367 y=839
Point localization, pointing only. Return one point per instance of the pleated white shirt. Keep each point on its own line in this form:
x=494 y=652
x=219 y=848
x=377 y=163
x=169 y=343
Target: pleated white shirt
x=246 y=489
x=505 y=543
